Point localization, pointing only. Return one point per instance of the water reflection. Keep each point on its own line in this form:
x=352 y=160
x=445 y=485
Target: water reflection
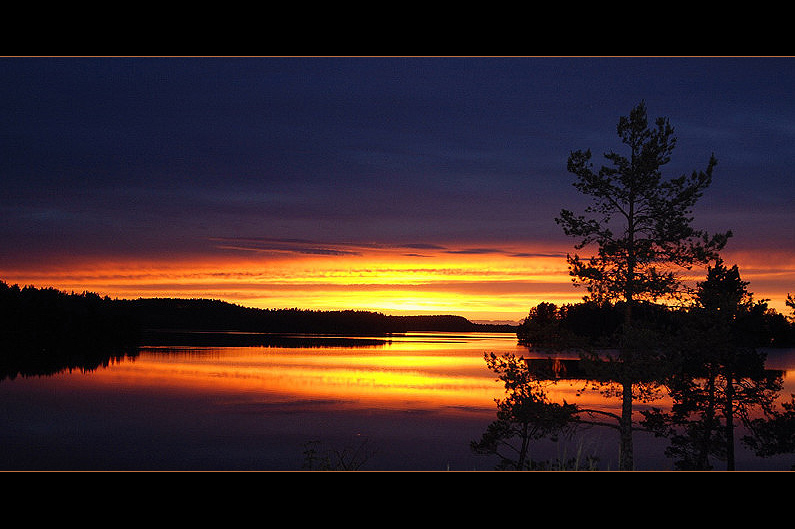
x=442 y=371
x=701 y=408
x=418 y=398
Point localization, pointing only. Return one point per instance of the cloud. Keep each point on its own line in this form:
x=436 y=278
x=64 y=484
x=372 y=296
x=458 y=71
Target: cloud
x=294 y=246
x=476 y=251
x=422 y=246
x=313 y=247
x=560 y=255
x=486 y=251
x=331 y=248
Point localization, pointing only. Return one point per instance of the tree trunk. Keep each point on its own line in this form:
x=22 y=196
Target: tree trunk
x=625 y=461
x=525 y=444
x=709 y=426
x=729 y=411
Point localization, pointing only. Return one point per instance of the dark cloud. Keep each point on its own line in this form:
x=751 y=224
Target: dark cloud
x=314 y=247
x=103 y=154
x=422 y=246
x=476 y=251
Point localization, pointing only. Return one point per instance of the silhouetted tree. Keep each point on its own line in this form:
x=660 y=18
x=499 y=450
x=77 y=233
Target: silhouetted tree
x=775 y=433
x=720 y=375
x=525 y=414
x=543 y=327
x=641 y=225
x=44 y=330
x=640 y=222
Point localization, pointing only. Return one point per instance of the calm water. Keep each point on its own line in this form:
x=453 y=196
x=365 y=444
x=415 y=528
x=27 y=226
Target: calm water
x=414 y=403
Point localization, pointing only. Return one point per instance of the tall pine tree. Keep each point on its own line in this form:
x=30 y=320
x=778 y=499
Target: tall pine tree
x=641 y=225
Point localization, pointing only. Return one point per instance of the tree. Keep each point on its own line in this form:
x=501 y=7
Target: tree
x=719 y=375
x=640 y=222
x=774 y=434
x=542 y=327
x=525 y=414
x=641 y=226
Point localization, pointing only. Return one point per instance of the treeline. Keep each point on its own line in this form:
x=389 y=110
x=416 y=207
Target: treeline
x=595 y=324
x=216 y=315
x=46 y=321
x=44 y=330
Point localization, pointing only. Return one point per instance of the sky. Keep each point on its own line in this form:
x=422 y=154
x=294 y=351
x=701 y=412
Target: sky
x=404 y=185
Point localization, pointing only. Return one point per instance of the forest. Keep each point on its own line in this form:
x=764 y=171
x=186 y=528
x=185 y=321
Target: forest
x=598 y=324
x=207 y=314
x=44 y=330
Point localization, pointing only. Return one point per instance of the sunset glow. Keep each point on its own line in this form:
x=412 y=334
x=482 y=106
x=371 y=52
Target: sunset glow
x=497 y=283
x=398 y=185
x=455 y=187
x=494 y=284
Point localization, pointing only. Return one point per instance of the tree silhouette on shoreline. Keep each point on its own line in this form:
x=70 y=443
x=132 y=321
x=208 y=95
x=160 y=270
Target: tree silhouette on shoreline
x=626 y=338
x=717 y=374
x=525 y=415
x=641 y=226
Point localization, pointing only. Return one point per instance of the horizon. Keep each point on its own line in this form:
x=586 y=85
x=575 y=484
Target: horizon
x=557 y=288
x=407 y=186
x=560 y=297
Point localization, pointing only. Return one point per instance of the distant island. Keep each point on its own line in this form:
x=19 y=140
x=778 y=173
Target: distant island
x=169 y=321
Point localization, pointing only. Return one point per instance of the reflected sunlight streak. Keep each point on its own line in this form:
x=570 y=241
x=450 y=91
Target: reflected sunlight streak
x=362 y=379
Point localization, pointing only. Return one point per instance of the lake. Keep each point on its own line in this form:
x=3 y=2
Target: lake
x=412 y=402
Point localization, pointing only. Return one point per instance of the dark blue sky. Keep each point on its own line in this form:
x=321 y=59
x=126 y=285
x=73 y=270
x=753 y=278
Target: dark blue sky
x=141 y=156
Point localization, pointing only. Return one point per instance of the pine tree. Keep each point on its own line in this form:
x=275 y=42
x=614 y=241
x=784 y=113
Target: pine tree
x=641 y=226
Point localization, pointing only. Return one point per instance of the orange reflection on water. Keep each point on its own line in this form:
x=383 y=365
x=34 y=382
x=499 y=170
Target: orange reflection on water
x=443 y=372
x=402 y=375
